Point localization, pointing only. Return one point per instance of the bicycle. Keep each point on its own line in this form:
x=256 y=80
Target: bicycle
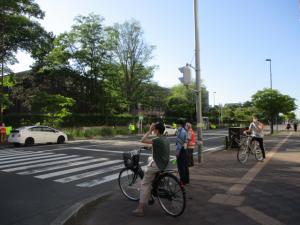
x=247 y=146
x=166 y=187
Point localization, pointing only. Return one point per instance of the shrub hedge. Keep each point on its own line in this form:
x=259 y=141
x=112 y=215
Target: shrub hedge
x=94 y=132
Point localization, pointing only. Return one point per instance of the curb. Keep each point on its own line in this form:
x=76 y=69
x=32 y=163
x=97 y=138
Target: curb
x=73 y=214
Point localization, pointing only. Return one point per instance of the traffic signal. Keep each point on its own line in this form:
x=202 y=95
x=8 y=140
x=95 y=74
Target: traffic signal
x=186 y=79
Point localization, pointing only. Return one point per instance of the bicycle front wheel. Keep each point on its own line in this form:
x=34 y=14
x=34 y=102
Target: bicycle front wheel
x=130 y=183
x=171 y=195
x=243 y=154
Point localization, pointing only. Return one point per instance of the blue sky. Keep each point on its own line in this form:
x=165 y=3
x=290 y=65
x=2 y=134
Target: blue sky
x=236 y=36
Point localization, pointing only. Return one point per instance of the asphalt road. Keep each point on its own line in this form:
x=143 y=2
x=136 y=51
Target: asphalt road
x=39 y=183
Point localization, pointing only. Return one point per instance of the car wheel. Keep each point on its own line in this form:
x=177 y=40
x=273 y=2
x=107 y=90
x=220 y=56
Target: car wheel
x=61 y=140
x=29 y=141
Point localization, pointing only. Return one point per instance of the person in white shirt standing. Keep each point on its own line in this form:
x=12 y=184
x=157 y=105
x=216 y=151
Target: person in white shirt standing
x=256 y=129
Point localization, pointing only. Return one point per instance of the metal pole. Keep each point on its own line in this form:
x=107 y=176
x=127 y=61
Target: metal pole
x=2 y=89
x=271 y=86
x=198 y=86
x=214 y=98
x=271 y=73
x=270 y=60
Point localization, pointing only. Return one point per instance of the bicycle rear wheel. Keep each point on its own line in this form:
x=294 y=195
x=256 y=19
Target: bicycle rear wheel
x=130 y=183
x=243 y=153
x=170 y=194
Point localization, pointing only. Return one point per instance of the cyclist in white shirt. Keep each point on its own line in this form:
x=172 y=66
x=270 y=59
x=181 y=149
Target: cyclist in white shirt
x=256 y=130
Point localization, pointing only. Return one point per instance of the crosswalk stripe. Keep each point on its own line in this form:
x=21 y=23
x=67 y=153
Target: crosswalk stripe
x=54 y=174
x=62 y=166
x=107 y=151
x=24 y=156
x=48 y=155
x=35 y=161
x=10 y=155
x=9 y=151
x=71 y=159
x=89 y=174
x=102 y=180
x=3 y=154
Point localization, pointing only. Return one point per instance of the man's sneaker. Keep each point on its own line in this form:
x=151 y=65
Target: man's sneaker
x=138 y=212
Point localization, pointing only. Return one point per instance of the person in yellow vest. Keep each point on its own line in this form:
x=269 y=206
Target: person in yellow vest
x=131 y=128
x=174 y=125
x=8 y=130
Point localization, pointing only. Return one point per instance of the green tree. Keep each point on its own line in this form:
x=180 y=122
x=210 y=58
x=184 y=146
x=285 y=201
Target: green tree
x=86 y=51
x=56 y=107
x=290 y=116
x=133 y=55
x=239 y=114
x=153 y=96
x=271 y=102
x=182 y=102
x=19 y=31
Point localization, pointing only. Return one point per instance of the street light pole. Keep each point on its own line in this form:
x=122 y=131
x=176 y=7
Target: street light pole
x=198 y=86
x=272 y=120
x=214 y=98
x=270 y=60
x=2 y=91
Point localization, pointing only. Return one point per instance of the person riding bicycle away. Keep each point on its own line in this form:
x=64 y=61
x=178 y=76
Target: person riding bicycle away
x=256 y=130
x=158 y=162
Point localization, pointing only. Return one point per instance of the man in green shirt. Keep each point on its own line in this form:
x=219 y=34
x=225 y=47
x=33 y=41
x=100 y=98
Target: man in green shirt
x=158 y=162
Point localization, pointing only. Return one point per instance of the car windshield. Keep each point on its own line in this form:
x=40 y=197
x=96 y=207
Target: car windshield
x=18 y=130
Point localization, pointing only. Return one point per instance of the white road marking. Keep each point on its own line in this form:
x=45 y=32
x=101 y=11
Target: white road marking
x=4 y=154
x=24 y=156
x=205 y=139
x=48 y=155
x=35 y=161
x=107 y=151
x=89 y=174
x=32 y=147
x=62 y=166
x=59 y=173
x=70 y=147
x=102 y=180
x=218 y=148
x=71 y=159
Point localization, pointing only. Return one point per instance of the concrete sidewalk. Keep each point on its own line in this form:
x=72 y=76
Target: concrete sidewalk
x=224 y=192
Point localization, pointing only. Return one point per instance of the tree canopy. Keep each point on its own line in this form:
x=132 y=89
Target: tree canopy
x=271 y=102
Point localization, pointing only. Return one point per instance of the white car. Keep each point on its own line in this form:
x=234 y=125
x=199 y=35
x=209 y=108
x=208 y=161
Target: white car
x=36 y=135
x=169 y=130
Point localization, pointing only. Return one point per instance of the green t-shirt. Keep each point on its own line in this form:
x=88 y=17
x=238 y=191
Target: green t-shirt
x=161 y=152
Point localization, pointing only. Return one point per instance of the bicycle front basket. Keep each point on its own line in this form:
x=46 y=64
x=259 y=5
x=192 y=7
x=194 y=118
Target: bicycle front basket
x=131 y=159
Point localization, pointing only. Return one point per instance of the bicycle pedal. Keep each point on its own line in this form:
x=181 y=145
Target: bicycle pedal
x=151 y=201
